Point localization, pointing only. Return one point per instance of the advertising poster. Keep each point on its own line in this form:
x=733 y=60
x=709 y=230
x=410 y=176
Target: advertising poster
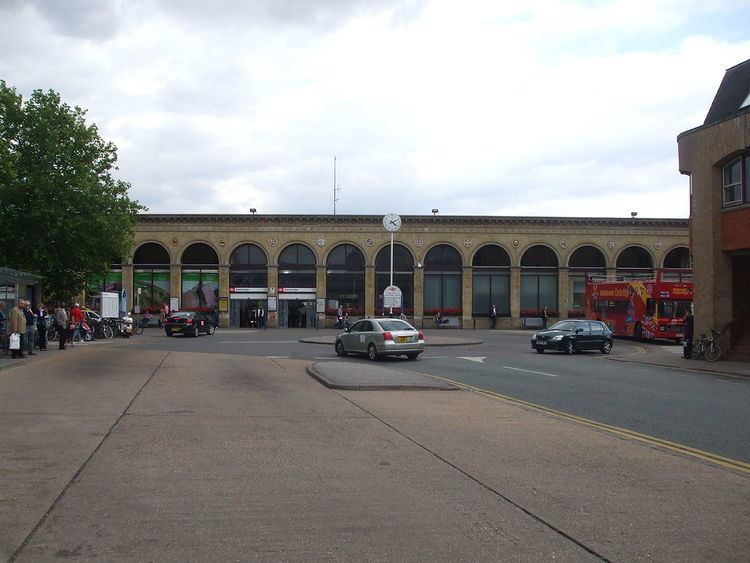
x=200 y=290
x=154 y=288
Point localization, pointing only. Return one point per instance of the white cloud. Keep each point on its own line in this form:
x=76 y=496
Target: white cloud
x=550 y=108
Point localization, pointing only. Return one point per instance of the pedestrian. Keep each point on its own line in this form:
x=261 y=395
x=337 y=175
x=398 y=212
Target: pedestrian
x=61 y=323
x=30 y=335
x=42 y=324
x=3 y=318
x=17 y=326
x=493 y=315
x=76 y=318
x=687 y=339
x=340 y=317
x=438 y=319
x=545 y=316
x=347 y=321
x=261 y=317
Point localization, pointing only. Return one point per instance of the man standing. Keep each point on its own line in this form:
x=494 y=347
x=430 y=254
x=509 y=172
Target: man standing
x=261 y=317
x=76 y=316
x=61 y=320
x=493 y=315
x=41 y=326
x=545 y=316
x=687 y=339
x=17 y=326
x=30 y=327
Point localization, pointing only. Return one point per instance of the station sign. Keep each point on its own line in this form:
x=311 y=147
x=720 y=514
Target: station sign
x=392 y=297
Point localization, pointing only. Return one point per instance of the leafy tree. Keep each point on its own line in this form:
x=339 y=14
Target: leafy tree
x=62 y=214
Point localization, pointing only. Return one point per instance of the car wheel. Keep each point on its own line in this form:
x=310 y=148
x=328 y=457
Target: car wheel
x=412 y=356
x=168 y=332
x=372 y=353
x=606 y=347
x=211 y=329
x=539 y=350
x=195 y=330
x=340 y=350
x=569 y=347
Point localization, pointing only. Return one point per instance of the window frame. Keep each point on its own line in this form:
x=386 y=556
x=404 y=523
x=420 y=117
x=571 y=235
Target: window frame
x=739 y=185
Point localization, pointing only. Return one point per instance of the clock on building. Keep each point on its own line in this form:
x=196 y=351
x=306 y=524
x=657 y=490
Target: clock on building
x=392 y=222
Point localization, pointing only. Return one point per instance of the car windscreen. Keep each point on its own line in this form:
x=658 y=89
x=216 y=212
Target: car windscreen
x=395 y=325
x=565 y=325
x=182 y=315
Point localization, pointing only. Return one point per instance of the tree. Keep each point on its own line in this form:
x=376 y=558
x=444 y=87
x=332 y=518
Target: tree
x=62 y=213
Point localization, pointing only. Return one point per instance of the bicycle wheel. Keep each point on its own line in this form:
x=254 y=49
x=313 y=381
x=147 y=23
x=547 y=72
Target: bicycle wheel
x=713 y=352
x=108 y=332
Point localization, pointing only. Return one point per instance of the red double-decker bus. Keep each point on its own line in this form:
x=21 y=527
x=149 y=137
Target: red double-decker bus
x=644 y=307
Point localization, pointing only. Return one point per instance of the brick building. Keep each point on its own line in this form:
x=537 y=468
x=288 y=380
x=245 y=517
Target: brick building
x=716 y=156
x=301 y=267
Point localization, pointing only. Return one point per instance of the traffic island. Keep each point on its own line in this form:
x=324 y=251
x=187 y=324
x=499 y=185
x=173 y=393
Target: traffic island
x=366 y=377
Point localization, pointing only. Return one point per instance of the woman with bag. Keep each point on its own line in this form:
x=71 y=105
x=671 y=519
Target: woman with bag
x=16 y=328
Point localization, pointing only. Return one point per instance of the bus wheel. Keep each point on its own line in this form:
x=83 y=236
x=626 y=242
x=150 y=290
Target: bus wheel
x=638 y=333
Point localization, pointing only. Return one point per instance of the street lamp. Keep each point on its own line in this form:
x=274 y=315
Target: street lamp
x=253 y=210
x=435 y=211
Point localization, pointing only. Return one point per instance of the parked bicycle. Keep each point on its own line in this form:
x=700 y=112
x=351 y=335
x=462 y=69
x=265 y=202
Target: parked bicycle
x=707 y=347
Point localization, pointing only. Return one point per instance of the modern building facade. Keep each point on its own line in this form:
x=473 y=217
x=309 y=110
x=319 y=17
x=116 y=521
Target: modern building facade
x=716 y=156
x=300 y=268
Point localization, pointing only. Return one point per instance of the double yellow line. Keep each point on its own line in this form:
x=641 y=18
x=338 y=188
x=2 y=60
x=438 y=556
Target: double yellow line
x=645 y=438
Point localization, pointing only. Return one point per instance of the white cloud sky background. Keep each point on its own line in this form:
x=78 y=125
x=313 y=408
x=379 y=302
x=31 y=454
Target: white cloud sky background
x=562 y=108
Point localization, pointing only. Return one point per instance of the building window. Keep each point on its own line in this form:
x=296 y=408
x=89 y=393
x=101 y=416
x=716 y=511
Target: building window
x=491 y=281
x=200 y=278
x=345 y=280
x=733 y=183
x=539 y=281
x=403 y=278
x=442 y=281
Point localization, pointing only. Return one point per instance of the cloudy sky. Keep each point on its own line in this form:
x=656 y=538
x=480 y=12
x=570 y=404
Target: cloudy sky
x=560 y=107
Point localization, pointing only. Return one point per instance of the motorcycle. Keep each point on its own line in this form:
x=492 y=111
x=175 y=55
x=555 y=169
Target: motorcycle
x=86 y=332
x=126 y=326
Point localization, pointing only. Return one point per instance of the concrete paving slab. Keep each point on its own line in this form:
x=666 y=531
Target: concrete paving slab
x=366 y=377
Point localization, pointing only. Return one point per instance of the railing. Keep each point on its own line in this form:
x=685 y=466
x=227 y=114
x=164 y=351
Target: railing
x=660 y=274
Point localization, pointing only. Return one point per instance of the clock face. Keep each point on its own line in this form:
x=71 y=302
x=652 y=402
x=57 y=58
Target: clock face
x=392 y=222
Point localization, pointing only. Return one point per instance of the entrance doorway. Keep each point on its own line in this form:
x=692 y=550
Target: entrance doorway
x=297 y=313
x=243 y=312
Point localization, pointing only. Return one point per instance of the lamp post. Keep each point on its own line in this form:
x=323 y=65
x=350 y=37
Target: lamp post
x=392 y=223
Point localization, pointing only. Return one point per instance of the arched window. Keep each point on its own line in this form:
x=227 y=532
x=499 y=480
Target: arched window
x=442 y=281
x=297 y=267
x=678 y=258
x=200 y=278
x=491 y=281
x=403 y=277
x=151 y=276
x=539 y=281
x=248 y=268
x=584 y=260
x=635 y=262
x=345 y=280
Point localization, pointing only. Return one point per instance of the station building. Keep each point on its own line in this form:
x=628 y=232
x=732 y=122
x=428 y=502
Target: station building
x=716 y=156
x=300 y=268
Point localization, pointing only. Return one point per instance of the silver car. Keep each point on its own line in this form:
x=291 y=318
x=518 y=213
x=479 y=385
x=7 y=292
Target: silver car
x=381 y=337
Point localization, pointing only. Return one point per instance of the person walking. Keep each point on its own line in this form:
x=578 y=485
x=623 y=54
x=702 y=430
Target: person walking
x=42 y=324
x=340 y=317
x=30 y=339
x=61 y=322
x=17 y=325
x=493 y=315
x=3 y=319
x=545 y=316
x=76 y=317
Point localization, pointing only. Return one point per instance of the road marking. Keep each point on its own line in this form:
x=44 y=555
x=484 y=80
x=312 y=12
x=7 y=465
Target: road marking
x=530 y=371
x=727 y=462
x=326 y=358
x=672 y=349
x=277 y=357
x=478 y=359
x=257 y=341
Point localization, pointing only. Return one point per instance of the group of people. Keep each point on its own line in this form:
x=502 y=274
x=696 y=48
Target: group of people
x=25 y=329
x=342 y=318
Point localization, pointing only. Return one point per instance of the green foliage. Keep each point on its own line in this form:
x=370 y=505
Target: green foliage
x=62 y=213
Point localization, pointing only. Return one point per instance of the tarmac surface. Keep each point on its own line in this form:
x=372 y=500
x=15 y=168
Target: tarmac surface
x=111 y=453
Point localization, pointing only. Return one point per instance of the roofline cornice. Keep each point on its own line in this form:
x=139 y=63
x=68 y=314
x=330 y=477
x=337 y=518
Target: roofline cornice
x=420 y=220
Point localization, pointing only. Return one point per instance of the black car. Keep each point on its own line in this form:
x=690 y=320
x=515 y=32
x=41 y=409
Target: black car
x=571 y=335
x=190 y=323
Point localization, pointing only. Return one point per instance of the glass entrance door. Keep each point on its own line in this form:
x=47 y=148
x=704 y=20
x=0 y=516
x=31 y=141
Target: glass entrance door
x=297 y=313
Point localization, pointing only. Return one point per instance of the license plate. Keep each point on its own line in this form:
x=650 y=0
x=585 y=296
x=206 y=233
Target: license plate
x=403 y=339
x=176 y=329
x=541 y=343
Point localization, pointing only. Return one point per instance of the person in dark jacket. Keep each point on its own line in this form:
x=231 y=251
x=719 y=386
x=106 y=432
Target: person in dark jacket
x=687 y=343
x=30 y=338
x=41 y=326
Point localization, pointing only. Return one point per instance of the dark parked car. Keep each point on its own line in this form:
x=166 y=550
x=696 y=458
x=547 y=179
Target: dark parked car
x=571 y=335
x=189 y=323
x=381 y=337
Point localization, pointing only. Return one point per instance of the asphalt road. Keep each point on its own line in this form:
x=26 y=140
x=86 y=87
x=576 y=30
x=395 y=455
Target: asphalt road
x=695 y=409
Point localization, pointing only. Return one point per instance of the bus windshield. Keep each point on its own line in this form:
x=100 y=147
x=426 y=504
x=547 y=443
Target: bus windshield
x=673 y=309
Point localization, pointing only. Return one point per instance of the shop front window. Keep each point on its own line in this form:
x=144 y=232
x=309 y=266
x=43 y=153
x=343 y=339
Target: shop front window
x=539 y=282
x=491 y=281
x=345 y=281
x=442 y=281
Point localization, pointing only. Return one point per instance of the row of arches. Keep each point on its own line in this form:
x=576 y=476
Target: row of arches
x=294 y=255
x=345 y=275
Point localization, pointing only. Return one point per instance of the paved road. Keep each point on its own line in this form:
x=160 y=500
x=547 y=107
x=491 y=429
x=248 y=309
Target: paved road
x=111 y=455
x=695 y=409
